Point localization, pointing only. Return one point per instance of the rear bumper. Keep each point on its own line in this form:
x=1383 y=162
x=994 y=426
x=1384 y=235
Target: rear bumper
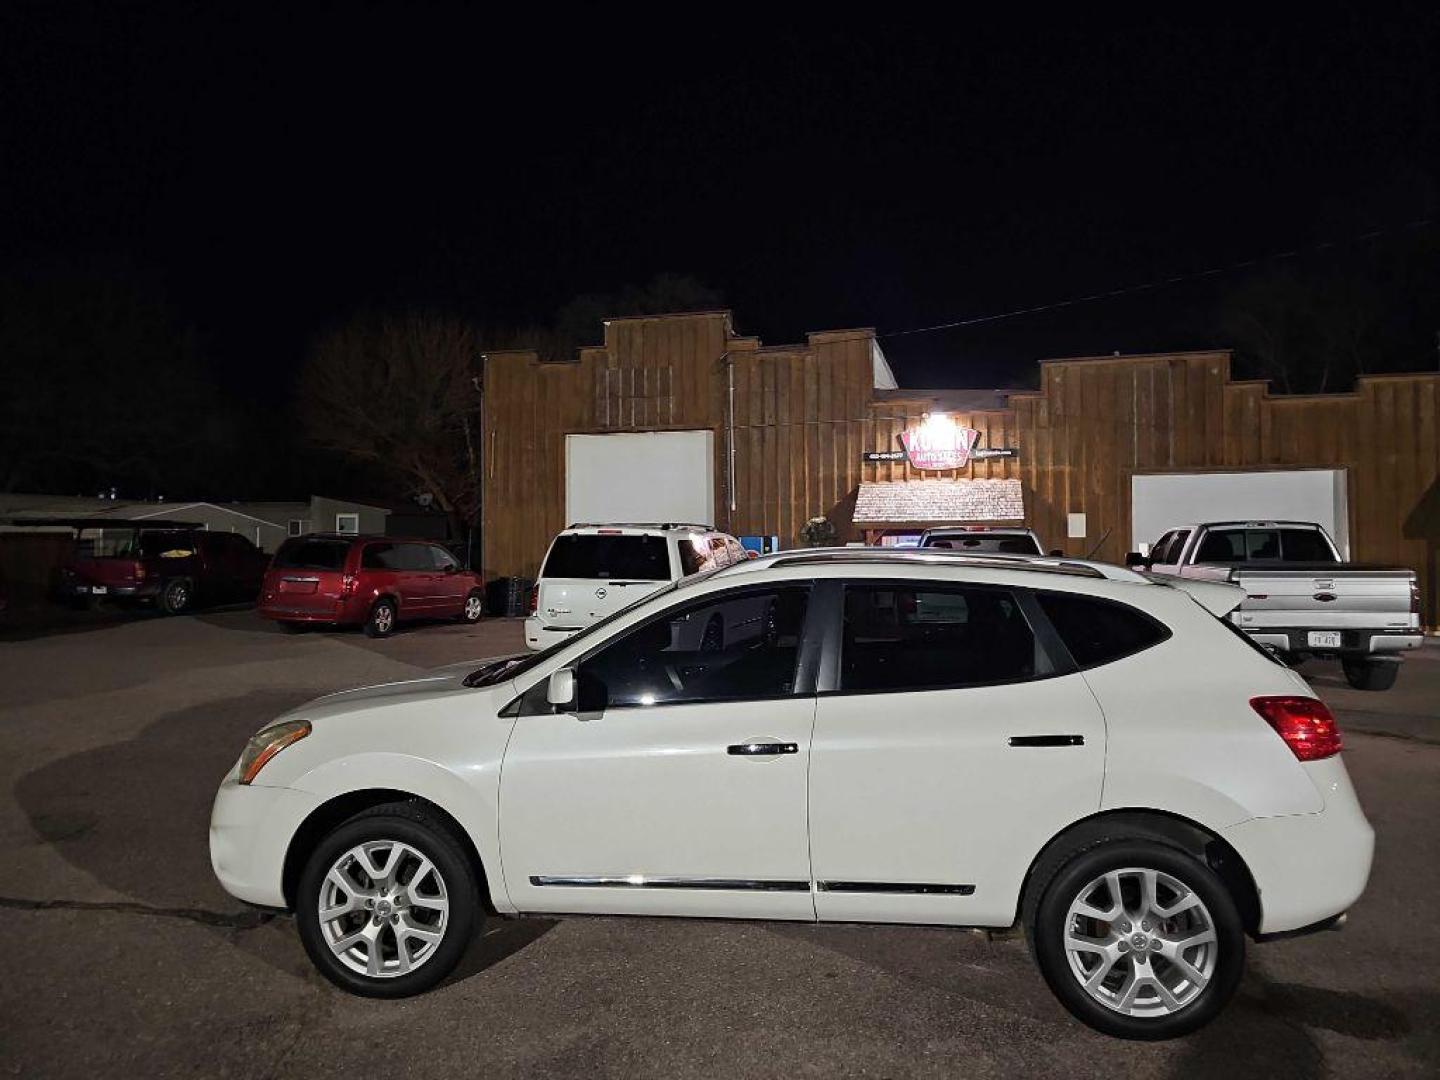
x=1352 y=642
x=124 y=592
x=1308 y=868
x=539 y=636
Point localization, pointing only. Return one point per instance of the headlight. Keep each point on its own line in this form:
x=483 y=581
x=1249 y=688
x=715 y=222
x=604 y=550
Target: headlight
x=265 y=744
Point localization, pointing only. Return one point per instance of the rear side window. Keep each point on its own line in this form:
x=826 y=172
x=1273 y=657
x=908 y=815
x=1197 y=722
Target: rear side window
x=1099 y=631
x=901 y=637
x=312 y=555
x=1222 y=546
x=1305 y=545
x=612 y=558
x=982 y=544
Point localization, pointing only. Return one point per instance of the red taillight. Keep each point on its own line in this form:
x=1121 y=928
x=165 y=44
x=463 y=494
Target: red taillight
x=1304 y=723
x=535 y=599
x=347 y=584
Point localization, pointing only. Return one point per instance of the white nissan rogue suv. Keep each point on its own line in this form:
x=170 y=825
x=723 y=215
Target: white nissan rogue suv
x=887 y=737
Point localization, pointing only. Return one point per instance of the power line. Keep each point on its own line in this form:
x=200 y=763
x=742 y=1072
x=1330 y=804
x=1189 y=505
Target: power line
x=1160 y=283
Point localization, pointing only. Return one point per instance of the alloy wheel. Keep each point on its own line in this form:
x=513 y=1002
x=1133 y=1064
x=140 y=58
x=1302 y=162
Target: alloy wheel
x=384 y=618
x=474 y=608
x=383 y=908
x=1140 y=942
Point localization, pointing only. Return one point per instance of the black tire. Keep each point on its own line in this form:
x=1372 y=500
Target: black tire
x=474 y=608
x=411 y=824
x=177 y=596
x=1371 y=674
x=381 y=620
x=1063 y=877
x=713 y=640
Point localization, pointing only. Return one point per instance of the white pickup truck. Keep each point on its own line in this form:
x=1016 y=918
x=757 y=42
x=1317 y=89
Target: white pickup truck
x=1301 y=599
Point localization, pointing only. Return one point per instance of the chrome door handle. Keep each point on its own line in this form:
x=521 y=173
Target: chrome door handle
x=760 y=747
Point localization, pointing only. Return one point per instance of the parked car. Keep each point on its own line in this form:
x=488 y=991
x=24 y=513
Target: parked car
x=375 y=582
x=907 y=739
x=177 y=566
x=1301 y=599
x=983 y=540
x=591 y=571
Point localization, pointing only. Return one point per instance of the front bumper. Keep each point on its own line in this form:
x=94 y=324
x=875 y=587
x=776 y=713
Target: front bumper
x=539 y=636
x=251 y=827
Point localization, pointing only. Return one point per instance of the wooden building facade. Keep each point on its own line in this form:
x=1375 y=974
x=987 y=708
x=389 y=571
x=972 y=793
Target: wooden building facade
x=792 y=425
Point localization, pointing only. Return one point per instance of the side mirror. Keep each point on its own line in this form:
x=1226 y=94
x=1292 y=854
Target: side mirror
x=1057 y=553
x=561 y=691
x=1135 y=559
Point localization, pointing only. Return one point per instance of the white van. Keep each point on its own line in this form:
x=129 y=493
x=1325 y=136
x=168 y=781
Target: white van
x=592 y=571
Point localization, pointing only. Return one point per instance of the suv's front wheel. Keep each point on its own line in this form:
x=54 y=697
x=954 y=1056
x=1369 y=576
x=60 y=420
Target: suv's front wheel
x=388 y=902
x=1137 y=939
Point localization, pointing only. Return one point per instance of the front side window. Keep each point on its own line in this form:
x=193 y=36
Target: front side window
x=442 y=560
x=608 y=558
x=1161 y=548
x=904 y=637
x=1097 y=631
x=734 y=646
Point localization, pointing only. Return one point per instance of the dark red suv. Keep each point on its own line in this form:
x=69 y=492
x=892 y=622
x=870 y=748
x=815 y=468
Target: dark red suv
x=369 y=581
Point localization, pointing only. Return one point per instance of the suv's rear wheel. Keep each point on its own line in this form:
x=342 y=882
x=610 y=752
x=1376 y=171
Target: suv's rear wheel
x=381 y=622
x=176 y=596
x=1371 y=674
x=1138 y=939
x=388 y=902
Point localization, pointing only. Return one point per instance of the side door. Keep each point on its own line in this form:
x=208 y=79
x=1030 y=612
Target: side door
x=416 y=579
x=675 y=784
x=449 y=587
x=1169 y=552
x=953 y=738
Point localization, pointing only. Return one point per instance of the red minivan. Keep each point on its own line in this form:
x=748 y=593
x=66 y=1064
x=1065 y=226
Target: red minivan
x=369 y=581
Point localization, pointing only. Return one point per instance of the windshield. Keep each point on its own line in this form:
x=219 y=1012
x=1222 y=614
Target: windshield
x=637 y=558
x=512 y=667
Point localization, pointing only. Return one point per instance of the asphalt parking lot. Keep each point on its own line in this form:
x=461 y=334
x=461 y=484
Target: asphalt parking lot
x=124 y=957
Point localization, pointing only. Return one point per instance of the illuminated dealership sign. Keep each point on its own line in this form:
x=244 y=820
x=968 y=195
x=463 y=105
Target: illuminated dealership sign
x=939 y=444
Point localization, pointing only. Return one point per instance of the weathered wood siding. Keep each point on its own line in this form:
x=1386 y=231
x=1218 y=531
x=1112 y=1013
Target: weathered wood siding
x=804 y=415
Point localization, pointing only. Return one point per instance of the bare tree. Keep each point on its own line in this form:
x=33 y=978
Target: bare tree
x=402 y=391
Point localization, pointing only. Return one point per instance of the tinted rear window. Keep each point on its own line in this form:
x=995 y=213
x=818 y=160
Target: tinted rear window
x=312 y=555
x=984 y=544
x=1098 y=631
x=636 y=558
x=1305 y=545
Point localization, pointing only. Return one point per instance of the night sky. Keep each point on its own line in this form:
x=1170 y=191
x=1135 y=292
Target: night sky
x=277 y=173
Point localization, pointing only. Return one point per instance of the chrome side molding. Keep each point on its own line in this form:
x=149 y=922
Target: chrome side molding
x=644 y=881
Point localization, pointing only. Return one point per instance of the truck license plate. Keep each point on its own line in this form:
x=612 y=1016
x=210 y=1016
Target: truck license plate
x=1325 y=639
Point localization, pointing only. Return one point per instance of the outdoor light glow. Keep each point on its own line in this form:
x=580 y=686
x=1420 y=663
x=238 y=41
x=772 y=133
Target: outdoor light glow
x=647 y=699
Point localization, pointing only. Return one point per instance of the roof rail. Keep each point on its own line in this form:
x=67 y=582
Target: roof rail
x=927 y=557
x=639 y=525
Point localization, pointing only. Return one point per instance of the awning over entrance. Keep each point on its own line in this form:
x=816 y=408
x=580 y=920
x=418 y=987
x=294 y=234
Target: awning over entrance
x=937 y=501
